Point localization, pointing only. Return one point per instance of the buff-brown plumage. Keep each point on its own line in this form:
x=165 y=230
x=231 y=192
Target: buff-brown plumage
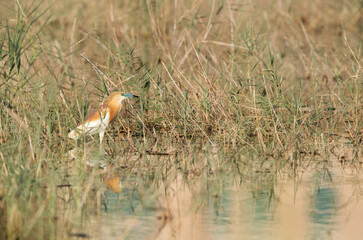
x=112 y=104
x=98 y=120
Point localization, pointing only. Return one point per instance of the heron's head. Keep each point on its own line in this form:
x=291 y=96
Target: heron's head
x=118 y=97
x=128 y=95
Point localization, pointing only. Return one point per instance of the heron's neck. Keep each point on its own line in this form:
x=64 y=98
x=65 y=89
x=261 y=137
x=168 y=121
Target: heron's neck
x=113 y=109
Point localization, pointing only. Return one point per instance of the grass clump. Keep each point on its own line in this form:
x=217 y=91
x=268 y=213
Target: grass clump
x=258 y=85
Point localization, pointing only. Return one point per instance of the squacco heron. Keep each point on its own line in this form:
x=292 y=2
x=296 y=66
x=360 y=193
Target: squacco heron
x=98 y=120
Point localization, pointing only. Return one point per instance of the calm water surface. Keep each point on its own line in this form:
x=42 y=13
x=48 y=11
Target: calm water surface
x=315 y=204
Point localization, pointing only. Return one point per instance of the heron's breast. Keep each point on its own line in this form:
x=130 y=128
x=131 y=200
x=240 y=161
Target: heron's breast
x=113 y=110
x=100 y=115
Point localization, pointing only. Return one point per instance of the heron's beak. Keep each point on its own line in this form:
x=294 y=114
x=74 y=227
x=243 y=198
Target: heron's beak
x=135 y=96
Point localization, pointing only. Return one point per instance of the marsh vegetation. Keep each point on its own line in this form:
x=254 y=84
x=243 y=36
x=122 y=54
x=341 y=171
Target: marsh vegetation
x=242 y=103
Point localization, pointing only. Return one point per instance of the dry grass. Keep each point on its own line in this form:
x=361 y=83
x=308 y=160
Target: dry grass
x=270 y=80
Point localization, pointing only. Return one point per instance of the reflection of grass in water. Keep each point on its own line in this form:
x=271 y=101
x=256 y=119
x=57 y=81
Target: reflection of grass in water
x=323 y=207
x=124 y=203
x=323 y=211
x=231 y=93
x=263 y=206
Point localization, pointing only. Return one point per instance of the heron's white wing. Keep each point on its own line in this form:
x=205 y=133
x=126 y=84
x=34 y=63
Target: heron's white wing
x=91 y=127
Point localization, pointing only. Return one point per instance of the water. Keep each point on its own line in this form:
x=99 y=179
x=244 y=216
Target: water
x=320 y=202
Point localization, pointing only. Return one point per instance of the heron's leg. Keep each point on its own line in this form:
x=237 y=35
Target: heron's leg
x=102 y=134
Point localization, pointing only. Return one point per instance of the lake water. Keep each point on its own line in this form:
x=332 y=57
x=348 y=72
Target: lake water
x=322 y=201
